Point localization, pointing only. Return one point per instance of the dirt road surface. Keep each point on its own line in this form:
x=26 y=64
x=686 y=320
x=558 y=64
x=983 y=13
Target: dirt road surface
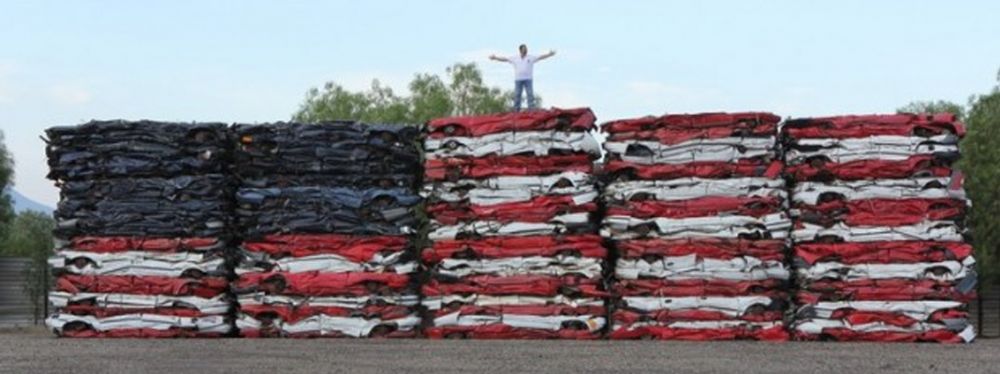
x=31 y=351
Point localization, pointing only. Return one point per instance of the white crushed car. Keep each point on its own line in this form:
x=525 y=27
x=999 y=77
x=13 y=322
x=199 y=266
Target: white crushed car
x=691 y=188
x=557 y=224
x=744 y=268
x=136 y=263
x=509 y=189
x=926 y=230
x=624 y=227
x=700 y=150
x=538 y=143
x=333 y=263
x=941 y=271
x=533 y=265
x=920 y=188
x=215 y=305
x=209 y=324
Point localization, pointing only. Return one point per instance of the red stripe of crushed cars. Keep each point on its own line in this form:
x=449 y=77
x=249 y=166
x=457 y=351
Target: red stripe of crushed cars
x=696 y=212
x=513 y=250
x=879 y=251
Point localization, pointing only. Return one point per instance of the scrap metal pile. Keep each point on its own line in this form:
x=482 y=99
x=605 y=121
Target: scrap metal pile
x=327 y=214
x=514 y=252
x=696 y=212
x=700 y=227
x=142 y=229
x=879 y=223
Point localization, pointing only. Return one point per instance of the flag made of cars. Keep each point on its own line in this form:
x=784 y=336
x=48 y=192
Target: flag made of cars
x=711 y=226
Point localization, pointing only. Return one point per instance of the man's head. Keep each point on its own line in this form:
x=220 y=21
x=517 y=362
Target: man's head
x=523 y=49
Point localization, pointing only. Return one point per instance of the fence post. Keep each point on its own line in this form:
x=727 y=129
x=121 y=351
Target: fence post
x=979 y=313
x=45 y=291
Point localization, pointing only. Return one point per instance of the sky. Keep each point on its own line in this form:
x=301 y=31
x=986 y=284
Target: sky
x=64 y=63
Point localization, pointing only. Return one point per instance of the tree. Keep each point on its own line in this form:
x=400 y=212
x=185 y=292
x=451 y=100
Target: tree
x=940 y=106
x=430 y=96
x=980 y=160
x=6 y=180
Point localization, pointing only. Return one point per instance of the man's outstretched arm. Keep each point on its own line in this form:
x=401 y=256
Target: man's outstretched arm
x=547 y=55
x=498 y=58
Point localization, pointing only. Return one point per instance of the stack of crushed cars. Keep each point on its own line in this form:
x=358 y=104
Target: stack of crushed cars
x=695 y=212
x=513 y=249
x=142 y=229
x=879 y=228
x=327 y=214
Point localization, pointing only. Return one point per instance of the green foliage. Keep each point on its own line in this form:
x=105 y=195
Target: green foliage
x=940 y=106
x=6 y=180
x=981 y=165
x=30 y=235
x=462 y=92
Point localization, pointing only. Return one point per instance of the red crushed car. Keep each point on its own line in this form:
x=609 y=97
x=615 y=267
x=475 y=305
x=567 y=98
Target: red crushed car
x=500 y=247
x=352 y=247
x=872 y=125
x=883 y=212
x=882 y=252
x=108 y=244
x=538 y=209
x=812 y=292
x=492 y=166
x=322 y=284
x=580 y=119
x=709 y=169
x=531 y=285
x=755 y=206
x=715 y=248
x=915 y=166
x=142 y=285
x=745 y=120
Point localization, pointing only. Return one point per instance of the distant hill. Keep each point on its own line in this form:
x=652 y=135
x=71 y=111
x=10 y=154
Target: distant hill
x=23 y=203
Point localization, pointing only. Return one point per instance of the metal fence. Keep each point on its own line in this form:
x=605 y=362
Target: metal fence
x=986 y=312
x=16 y=305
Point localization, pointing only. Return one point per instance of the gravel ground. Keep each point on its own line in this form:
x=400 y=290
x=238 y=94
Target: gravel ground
x=30 y=351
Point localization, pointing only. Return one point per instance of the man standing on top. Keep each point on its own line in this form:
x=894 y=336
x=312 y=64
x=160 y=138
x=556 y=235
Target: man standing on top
x=523 y=64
